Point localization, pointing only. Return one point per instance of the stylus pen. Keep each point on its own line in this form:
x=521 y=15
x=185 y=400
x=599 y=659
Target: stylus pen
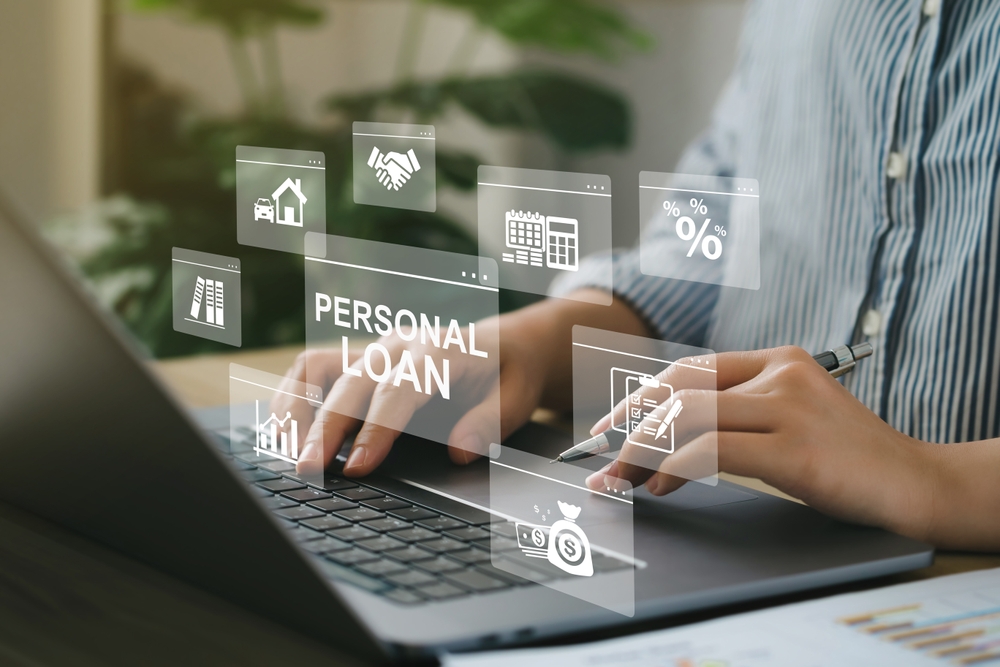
x=837 y=362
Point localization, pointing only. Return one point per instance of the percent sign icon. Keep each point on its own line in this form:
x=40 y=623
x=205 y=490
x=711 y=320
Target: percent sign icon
x=711 y=246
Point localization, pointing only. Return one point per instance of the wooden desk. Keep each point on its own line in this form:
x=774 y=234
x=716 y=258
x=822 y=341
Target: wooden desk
x=65 y=600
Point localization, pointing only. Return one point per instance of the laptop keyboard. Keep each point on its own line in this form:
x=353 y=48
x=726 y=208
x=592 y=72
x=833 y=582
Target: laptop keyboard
x=407 y=552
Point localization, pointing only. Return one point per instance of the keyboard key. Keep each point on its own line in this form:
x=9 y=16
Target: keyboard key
x=325 y=545
x=341 y=573
x=359 y=493
x=285 y=523
x=298 y=513
x=412 y=513
x=332 y=504
x=440 y=564
x=404 y=596
x=441 y=591
x=353 y=533
x=441 y=523
x=323 y=523
x=263 y=493
x=471 y=556
x=416 y=534
x=382 y=543
x=306 y=495
x=386 y=503
x=475 y=580
x=276 y=466
x=380 y=568
x=279 y=503
x=410 y=554
x=360 y=514
x=330 y=483
x=303 y=535
x=443 y=545
x=351 y=557
x=411 y=578
x=468 y=534
x=491 y=571
x=519 y=569
x=259 y=475
x=388 y=524
x=505 y=528
x=281 y=485
x=501 y=544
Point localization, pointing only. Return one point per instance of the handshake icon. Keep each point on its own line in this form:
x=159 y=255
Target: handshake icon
x=393 y=170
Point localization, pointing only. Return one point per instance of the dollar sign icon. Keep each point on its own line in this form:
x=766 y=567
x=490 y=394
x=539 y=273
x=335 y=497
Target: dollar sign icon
x=538 y=537
x=569 y=548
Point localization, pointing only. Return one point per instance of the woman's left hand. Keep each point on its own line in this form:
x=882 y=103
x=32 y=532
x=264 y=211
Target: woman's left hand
x=783 y=419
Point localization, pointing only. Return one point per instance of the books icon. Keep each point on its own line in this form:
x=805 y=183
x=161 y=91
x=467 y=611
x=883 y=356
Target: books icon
x=211 y=291
x=206 y=296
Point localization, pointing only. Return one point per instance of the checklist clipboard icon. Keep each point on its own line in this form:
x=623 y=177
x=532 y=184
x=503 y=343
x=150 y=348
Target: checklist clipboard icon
x=644 y=414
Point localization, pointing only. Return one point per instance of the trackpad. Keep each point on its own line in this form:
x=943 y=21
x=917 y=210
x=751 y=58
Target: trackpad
x=693 y=496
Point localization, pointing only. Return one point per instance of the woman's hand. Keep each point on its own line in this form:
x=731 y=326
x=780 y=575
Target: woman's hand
x=783 y=419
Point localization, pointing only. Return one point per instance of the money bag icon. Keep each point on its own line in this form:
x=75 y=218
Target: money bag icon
x=569 y=548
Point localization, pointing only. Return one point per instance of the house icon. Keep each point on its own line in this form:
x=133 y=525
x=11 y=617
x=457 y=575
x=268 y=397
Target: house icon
x=286 y=215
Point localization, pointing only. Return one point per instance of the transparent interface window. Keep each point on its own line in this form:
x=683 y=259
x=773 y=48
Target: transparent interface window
x=539 y=225
x=280 y=195
x=661 y=396
x=395 y=165
x=207 y=296
x=269 y=416
x=700 y=228
x=405 y=338
x=557 y=532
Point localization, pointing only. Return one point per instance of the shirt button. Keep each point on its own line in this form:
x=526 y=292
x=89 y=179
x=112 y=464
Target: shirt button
x=931 y=8
x=871 y=324
x=896 y=167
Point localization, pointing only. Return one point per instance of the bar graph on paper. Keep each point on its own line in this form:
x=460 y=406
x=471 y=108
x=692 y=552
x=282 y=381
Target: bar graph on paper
x=962 y=629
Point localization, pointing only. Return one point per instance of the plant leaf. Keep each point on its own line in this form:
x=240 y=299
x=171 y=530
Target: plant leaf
x=240 y=17
x=564 y=26
x=576 y=114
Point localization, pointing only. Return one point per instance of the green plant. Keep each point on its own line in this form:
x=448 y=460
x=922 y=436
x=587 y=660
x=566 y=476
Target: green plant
x=177 y=169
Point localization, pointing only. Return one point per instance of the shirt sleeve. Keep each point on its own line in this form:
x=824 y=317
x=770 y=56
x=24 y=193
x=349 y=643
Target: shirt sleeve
x=675 y=310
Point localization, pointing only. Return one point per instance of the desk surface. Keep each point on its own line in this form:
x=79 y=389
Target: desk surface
x=65 y=600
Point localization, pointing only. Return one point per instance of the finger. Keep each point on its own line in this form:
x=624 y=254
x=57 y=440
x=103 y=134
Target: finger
x=699 y=412
x=335 y=420
x=388 y=414
x=320 y=366
x=506 y=408
x=746 y=454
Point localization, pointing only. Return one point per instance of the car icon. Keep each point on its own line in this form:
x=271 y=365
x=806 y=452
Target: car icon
x=263 y=210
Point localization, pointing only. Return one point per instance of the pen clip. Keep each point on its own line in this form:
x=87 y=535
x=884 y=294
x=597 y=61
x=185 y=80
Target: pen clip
x=845 y=360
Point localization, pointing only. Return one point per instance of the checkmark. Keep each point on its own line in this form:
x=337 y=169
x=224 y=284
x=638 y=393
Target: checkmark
x=636 y=413
x=635 y=398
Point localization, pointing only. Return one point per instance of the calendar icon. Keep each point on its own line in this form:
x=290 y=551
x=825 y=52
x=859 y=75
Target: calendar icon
x=535 y=238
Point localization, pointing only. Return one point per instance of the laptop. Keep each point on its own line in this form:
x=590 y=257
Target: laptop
x=400 y=565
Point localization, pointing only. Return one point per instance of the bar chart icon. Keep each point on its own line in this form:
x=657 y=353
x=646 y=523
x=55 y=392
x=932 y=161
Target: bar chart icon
x=277 y=437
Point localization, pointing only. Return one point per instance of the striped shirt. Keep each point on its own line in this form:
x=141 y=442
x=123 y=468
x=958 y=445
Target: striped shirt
x=872 y=128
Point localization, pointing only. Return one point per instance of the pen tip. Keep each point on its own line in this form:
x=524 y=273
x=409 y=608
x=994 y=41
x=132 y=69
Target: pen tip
x=555 y=460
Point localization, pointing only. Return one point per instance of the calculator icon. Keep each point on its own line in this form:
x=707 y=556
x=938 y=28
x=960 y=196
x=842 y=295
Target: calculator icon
x=562 y=239
x=535 y=238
